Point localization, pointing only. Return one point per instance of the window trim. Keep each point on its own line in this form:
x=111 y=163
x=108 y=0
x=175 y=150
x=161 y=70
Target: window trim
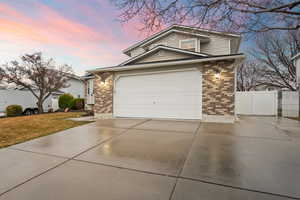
x=197 y=47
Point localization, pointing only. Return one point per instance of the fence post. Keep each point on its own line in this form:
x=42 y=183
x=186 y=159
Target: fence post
x=279 y=103
x=299 y=98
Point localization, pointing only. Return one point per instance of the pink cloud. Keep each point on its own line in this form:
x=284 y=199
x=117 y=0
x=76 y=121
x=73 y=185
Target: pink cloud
x=57 y=23
x=56 y=31
x=8 y=11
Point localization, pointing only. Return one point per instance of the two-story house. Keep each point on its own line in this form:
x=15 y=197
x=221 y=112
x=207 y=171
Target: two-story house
x=181 y=73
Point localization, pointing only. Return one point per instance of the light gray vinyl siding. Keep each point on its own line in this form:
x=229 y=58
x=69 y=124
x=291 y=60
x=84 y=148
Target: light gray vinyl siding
x=76 y=88
x=234 y=45
x=163 y=55
x=217 y=46
x=171 y=40
x=136 y=51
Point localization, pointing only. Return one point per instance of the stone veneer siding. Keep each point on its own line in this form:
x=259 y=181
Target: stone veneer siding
x=218 y=94
x=103 y=94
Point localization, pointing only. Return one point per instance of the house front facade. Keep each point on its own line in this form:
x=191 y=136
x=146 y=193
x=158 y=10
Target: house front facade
x=179 y=73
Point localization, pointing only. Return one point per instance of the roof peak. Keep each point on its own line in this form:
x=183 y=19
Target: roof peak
x=178 y=26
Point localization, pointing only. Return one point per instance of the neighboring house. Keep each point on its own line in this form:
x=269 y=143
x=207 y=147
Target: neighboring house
x=296 y=60
x=77 y=87
x=181 y=72
x=23 y=97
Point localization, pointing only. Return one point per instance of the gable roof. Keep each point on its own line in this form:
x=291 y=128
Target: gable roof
x=171 y=29
x=163 y=47
x=204 y=37
x=165 y=63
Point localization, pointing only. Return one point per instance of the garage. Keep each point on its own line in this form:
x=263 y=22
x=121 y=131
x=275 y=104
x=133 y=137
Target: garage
x=173 y=94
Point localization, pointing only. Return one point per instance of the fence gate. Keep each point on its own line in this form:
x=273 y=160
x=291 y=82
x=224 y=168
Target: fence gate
x=257 y=103
x=290 y=104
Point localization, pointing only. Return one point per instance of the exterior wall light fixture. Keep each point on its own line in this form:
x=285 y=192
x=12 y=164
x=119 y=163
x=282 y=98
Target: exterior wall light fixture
x=217 y=74
x=103 y=77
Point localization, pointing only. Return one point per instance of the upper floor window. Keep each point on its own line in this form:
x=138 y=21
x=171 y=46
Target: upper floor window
x=189 y=44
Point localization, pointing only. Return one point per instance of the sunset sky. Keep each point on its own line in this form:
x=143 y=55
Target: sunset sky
x=81 y=33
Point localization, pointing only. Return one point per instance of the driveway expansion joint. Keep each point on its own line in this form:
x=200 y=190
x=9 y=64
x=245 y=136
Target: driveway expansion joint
x=239 y=188
x=109 y=139
x=40 y=153
x=177 y=176
x=40 y=174
x=67 y=160
x=186 y=157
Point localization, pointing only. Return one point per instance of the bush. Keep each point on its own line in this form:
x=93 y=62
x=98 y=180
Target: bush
x=14 y=110
x=65 y=101
x=78 y=104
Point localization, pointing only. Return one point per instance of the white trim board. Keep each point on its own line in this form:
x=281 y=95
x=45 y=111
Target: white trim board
x=161 y=47
x=163 y=64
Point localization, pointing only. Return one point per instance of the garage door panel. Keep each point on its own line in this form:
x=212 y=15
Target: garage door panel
x=148 y=99
x=153 y=88
x=164 y=112
x=164 y=95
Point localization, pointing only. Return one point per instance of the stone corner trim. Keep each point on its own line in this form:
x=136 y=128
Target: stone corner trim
x=103 y=94
x=218 y=94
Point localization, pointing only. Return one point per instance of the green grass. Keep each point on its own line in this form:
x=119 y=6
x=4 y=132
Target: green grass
x=295 y=118
x=15 y=130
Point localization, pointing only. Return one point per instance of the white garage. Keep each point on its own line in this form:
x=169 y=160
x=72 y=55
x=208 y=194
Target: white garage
x=167 y=94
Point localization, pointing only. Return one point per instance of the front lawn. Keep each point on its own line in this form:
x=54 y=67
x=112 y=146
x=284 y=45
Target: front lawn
x=295 y=118
x=14 y=130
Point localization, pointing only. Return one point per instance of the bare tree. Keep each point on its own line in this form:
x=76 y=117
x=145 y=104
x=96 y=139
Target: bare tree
x=228 y=15
x=249 y=76
x=40 y=76
x=274 y=52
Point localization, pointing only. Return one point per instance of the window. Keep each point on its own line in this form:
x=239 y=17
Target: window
x=189 y=44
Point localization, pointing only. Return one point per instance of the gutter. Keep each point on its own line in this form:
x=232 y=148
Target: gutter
x=152 y=65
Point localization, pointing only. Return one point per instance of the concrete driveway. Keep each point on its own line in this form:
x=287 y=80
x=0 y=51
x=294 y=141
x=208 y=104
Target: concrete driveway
x=255 y=158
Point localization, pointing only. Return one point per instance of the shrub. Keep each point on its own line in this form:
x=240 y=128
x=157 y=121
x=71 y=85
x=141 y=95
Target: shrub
x=65 y=101
x=14 y=110
x=78 y=104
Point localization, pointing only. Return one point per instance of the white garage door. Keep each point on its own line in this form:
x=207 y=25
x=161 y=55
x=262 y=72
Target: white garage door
x=159 y=95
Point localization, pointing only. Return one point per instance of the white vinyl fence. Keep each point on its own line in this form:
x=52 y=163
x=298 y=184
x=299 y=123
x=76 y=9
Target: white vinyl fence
x=257 y=103
x=290 y=104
